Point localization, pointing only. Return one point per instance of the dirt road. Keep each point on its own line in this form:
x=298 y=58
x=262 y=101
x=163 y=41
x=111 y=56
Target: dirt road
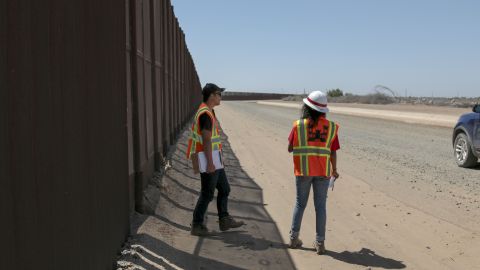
x=401 y=201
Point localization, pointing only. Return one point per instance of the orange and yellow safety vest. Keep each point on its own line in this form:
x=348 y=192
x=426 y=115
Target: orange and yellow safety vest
x=195 y=141
x=311 y=147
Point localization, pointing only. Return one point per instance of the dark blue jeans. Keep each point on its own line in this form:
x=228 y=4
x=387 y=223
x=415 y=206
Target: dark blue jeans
x=210 y=181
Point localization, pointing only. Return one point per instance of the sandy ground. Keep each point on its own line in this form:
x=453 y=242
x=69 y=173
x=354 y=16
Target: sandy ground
x=401 y=202
x=162 y=240
x=389 y=209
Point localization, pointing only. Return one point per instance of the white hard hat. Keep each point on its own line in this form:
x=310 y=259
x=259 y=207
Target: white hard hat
x=317 y=100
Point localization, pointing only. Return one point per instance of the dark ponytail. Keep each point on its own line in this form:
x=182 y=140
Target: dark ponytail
x=309 y=113
x=313 y=116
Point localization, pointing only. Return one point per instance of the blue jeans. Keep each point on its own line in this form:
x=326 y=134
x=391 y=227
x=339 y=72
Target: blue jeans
x=210 y=181
x=320 y=190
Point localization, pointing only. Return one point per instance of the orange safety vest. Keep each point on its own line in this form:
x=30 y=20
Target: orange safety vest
x=195 y=141
x=311 y=148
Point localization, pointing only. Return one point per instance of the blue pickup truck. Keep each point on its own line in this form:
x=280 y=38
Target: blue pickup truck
x=466 y=138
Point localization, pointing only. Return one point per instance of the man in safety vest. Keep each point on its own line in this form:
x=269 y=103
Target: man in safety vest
x=205 y=151
x=314 y=142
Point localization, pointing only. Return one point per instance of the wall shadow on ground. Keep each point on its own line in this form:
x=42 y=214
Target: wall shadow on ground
x=257 y=245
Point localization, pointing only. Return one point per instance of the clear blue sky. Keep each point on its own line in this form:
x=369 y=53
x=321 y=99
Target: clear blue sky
x=422 y=46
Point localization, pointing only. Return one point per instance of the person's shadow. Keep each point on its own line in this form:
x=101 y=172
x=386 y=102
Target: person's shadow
x=245 y=240
x=366 y=257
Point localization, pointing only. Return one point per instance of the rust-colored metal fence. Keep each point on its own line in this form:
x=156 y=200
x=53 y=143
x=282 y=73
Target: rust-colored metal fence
x=252 y=96
x=92 y=94
x=164 y=87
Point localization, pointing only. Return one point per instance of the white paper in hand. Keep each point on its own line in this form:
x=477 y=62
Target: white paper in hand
x=332 y=182
x=217 y=160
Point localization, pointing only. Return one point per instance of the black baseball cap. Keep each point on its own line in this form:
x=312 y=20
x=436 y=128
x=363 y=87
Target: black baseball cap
x=211 y=88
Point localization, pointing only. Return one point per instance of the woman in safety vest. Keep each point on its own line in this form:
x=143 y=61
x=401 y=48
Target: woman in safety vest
x=314 y=142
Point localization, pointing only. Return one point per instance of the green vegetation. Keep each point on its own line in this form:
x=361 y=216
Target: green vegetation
x=335 y=93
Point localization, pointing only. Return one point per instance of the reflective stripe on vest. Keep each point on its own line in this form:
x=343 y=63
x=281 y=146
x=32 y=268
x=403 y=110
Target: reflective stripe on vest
x=302 y=128
x=311 y=150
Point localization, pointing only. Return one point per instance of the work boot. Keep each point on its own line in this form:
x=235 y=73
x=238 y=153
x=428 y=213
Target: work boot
x=320 y=247
x=295 y=243
x=228 y=222
x=199 y=230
